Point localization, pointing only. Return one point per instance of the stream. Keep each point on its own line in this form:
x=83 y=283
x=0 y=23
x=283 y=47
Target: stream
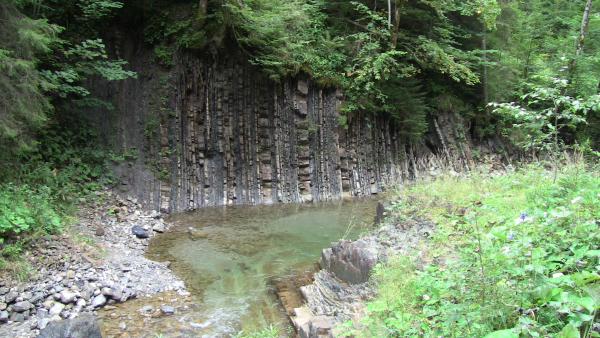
x=229 y=258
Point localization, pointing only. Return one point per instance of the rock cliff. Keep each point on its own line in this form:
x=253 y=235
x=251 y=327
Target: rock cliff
x=213 y=130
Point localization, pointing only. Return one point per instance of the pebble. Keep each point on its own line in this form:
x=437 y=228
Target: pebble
x=10 y=297
x=67 y=297
x=56 y=309
x=17 y=317
x=167 y=309
x=67 y=283
x=3 y=316
x=42 y=323
x=98 y=301
x=147 y=309
x=159 y=227
x=22 y=306
x=122 y=326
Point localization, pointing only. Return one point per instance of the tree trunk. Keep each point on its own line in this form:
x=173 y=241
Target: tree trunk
x=389 y=13
x=486 y=95
x=396 y=28
x=203 y=6
x=585 y=23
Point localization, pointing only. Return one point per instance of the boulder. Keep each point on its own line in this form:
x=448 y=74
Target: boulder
x=351 y=262
x=84 y=326
x=139 y=232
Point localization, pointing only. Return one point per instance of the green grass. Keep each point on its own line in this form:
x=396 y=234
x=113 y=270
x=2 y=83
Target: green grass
x=268 y=332
x=513 y=256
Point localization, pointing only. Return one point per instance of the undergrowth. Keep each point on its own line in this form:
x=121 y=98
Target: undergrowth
x=268 y=332
x=515 y=255
x=39 y=192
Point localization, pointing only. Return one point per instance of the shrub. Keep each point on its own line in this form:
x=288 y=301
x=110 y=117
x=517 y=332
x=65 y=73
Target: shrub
x=513 y=256
x=23 y=209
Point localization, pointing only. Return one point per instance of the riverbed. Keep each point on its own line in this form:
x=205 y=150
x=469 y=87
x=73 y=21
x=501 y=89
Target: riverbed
x=230 y=257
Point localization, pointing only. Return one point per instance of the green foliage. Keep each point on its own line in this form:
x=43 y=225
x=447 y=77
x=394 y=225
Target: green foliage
x=268 y=332
x=37 y=192
x=535 y=40
x=23 y=209
x=353 y=46
x=513 y=256
x=22 y=88
x=537 y=122
x=48 y=50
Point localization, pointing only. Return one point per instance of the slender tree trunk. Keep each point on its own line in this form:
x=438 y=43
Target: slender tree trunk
x=396 y=29
x=389 y=13
x=585 y=23
x=203 y=6
x=486 y=95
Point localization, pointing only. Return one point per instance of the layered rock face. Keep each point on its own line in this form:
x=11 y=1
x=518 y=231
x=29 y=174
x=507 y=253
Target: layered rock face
x=213 y=130
x=339 y=292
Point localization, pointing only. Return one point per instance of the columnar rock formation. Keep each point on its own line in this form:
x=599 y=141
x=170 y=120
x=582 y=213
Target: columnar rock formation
x=215 y=131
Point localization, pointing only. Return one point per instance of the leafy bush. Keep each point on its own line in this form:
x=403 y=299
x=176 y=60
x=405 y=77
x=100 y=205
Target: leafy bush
x=39 y=188
x=513 y=256
x=23 y=209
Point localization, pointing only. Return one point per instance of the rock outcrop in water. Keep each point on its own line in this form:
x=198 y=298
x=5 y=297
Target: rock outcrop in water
x=341 y=288
x=213 y=130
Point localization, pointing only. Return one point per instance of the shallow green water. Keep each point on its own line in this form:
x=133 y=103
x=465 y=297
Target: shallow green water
x=230 y=255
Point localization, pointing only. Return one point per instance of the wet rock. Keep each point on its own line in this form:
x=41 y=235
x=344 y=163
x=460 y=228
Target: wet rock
x=139 y=232
x=350 y=261
x=196 y=234
x=84 y=326
x=22 y=306
x=98 y=301
x=3 y=316
x=167 y=310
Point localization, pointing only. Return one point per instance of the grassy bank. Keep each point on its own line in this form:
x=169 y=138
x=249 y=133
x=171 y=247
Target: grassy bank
x=515 y=255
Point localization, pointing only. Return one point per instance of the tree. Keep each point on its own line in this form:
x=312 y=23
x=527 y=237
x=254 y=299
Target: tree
x=23 y=100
